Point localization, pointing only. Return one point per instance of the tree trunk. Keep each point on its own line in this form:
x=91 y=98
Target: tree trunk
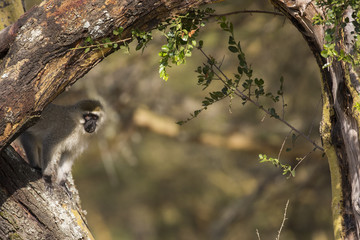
x=37 y=62
x=340 y=122
x=28 y=211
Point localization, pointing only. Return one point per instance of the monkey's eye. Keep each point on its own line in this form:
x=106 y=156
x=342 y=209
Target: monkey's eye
x=90 y=116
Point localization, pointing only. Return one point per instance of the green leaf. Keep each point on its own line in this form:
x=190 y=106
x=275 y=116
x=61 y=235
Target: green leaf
x=324 y=53
x=223 y=26
x=259 y=82
x=224 y=90
x=232 y=40
x=273 y=113
x=87 y=50
x=89 y=40
x=197 y=112
x=139 y=46
x=205 y=103
x=165 y=48
x=185 y=38
x=180 y=123
x=188 y=54
x=233 y=49
x=262 y=157
x=328 y=37
x=201 y=43
x=242 y=60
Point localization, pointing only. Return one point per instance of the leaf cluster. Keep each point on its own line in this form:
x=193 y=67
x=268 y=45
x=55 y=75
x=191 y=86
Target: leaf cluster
x=335 y=21
x=117 y=41
x=142 y=39
x=91 y=44
x=286 y=169
x=243 y=84
x=180 y=33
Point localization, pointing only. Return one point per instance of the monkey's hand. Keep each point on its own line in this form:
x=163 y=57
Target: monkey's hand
x=48 y=183
x=37 y=169
x=67 y=190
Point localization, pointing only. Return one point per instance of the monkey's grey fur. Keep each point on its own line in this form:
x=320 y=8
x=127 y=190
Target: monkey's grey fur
x=60 y=135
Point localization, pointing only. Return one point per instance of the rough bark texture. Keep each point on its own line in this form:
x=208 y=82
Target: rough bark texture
x=37 y=63
x=339 y=127
x=28 y=211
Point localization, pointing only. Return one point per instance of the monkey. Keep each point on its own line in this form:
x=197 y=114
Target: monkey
x=59 y=137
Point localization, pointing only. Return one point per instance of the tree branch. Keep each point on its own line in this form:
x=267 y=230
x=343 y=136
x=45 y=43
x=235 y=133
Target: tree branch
x=249 y=99
x=246 y=11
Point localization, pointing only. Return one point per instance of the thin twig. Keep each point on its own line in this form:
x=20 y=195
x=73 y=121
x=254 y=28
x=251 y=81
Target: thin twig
x=283 y=221
x=240 y=94
x=283 y=104
x=258 y=234
x=247 y=98
x=302 y=159
x=101 y=44
x=283 y=144
x=246 y=11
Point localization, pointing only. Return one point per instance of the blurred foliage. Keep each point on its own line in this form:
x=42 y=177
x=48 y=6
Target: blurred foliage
x=203 y=180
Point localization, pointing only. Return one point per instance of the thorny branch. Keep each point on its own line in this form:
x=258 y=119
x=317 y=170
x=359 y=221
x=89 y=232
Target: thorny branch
x=283 y=221
x=249 y=99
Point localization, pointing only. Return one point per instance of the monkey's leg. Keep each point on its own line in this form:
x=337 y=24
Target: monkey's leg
x=64 y=168
x=49 y=161
x=31 y=148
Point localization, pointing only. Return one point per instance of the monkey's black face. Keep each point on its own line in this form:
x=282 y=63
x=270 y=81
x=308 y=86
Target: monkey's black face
x=90 y=122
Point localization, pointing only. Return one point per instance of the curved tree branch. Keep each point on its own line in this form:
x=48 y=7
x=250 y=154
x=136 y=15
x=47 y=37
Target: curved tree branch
x=340 y=121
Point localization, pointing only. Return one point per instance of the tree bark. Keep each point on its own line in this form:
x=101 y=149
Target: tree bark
x=340 y=121
x=38 y=62
x=28 y=211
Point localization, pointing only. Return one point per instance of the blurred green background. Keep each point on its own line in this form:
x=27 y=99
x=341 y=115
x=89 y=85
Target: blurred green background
x=145 y=178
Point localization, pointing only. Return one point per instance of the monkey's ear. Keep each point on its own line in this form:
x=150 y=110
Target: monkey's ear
x=98 y=109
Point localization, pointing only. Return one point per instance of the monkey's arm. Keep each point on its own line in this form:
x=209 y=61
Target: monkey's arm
x=49 y=160
x=64 y=167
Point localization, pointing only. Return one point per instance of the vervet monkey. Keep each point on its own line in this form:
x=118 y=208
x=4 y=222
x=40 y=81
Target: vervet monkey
x=59 y=137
